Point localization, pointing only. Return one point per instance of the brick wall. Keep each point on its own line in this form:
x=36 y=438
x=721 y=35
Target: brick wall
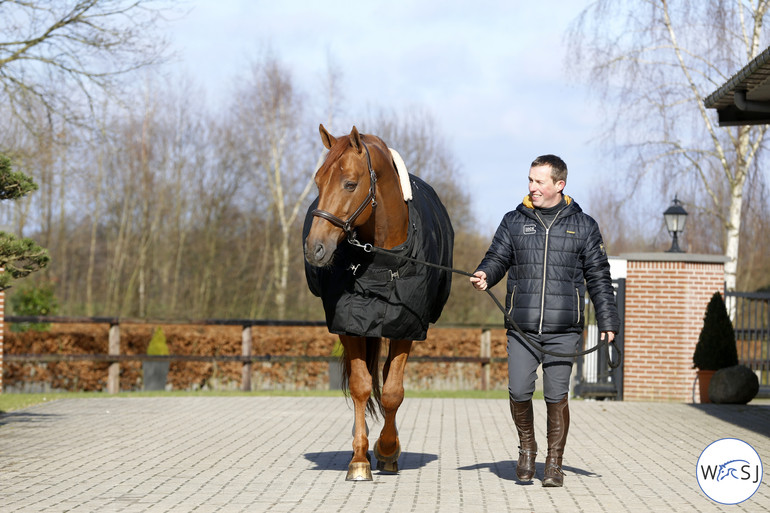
x=666 y=298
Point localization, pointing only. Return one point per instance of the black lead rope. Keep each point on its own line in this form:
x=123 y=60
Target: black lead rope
x=613 y=365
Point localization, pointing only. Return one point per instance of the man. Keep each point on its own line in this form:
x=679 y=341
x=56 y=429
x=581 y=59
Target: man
x=551 y=251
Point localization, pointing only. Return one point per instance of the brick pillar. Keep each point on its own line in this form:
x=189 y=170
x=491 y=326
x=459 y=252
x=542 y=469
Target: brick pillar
x=666 y=299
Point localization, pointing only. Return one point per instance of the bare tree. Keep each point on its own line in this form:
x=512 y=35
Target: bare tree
x=277 y=148
x=176 y=211
x=426 y=154
x=55 y=55
x=653 y=62
x=95 y=206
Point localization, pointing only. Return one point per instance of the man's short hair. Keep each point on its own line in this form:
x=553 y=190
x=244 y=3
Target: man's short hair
x=558 y=166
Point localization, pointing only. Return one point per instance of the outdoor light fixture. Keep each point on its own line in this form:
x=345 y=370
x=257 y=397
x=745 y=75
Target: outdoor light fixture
x=675 y=217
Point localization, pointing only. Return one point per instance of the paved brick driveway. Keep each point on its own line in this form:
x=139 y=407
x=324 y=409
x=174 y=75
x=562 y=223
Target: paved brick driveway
x=253 y=454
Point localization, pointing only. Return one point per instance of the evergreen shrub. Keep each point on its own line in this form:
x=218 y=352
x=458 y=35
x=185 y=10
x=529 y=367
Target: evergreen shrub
x=158 y=344
x=716 y=348
x=33 y=301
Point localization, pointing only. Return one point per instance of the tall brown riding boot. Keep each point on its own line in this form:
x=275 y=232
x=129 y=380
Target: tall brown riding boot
x=523 y=417
x=558 y=426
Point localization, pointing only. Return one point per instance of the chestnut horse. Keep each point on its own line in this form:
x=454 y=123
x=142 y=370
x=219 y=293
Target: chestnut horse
x=361 y=199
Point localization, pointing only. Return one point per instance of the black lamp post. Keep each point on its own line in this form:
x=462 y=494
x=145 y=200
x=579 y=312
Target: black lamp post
x=675 y=217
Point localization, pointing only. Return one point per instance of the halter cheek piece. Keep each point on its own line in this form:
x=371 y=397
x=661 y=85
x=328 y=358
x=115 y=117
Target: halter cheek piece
x=347 y=226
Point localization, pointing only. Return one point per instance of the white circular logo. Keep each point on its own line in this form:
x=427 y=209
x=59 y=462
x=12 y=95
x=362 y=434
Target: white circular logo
x=729 y=471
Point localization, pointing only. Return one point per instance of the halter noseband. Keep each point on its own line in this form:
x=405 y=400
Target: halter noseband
x=347 y=226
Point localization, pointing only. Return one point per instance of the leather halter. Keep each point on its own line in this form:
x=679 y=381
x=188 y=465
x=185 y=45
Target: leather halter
x=347 y=226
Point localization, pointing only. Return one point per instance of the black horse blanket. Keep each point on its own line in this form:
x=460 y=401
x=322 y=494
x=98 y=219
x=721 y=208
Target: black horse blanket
x=381 y=295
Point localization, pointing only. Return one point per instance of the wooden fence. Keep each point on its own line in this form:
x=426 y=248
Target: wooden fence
x=246 y=357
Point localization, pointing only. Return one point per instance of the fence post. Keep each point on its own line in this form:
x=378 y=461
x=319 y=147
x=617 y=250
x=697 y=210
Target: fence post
x=246 y=351
x=113 y=376
x=486 y=352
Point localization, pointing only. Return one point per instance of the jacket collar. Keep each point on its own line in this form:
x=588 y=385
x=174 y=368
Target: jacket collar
x=527 y=202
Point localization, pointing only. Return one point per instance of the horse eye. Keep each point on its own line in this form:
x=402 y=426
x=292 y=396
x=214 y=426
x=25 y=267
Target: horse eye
x=350 y=186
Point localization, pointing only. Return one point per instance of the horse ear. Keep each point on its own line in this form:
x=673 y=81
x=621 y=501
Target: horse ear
x=327 y=138
x=355 y=140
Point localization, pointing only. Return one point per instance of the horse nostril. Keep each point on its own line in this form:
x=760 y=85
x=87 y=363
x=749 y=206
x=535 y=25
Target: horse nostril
x=319 y=252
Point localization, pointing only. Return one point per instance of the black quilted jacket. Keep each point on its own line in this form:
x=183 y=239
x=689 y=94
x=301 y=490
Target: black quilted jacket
x=549 y=269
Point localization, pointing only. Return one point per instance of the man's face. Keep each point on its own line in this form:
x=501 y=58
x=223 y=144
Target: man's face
x=542 y=191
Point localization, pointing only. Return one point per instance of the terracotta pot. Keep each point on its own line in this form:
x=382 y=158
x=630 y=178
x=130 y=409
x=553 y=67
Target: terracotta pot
x=704 y=379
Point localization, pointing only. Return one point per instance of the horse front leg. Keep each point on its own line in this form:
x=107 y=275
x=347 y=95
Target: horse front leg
x=360 y=386
x=387 y=449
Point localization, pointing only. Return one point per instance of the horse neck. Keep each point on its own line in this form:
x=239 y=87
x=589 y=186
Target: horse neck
x=388 y=225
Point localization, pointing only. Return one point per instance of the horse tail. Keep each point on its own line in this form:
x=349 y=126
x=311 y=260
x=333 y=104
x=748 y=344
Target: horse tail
x=374 y=404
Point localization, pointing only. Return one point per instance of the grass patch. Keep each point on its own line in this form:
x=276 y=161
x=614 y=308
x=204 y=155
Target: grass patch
x=12 y=402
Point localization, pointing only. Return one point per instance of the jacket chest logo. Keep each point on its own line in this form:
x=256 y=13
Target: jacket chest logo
x=529 y=229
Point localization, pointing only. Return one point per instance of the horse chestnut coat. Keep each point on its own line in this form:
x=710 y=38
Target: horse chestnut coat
x=549 y=270
x=381 y=295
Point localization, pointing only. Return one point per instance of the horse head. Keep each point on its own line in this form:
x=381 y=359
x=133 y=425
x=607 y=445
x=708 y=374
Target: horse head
x=730 y=469
x=348 y=192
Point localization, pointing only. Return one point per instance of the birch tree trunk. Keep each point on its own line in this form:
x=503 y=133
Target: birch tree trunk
x=270 y=112
x=653 y=62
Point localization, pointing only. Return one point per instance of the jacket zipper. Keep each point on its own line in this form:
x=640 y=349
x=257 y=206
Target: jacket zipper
x=545 y=266
x=513 y=295
x=577 y=296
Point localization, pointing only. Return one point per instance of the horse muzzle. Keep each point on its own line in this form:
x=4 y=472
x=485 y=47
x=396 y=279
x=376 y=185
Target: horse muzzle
x=318 y=253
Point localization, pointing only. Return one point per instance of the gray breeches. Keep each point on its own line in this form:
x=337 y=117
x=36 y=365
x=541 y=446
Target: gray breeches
x=523 y=361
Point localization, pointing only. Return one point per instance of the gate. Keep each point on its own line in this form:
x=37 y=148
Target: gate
x=594 y=377
x=750 y=313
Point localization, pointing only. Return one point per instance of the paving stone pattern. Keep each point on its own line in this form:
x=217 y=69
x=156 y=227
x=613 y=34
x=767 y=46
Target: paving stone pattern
x=290 y=454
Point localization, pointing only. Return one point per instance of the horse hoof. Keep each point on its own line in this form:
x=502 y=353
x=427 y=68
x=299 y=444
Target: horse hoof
x=387 y=466
x=359 y=472
x=387 y=463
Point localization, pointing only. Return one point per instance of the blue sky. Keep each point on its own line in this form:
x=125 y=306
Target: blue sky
x=490 y=72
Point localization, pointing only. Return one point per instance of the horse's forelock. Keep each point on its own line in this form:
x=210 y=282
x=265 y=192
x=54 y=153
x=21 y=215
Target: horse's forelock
x=338 y=150
x=332 y=155
x=326 y=159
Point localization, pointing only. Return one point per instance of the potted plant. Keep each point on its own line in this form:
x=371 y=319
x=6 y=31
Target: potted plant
x=716 y=347
x=155 y=372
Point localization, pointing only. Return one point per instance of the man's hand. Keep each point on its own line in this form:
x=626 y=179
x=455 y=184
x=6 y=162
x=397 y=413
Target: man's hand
x=610 y=335
x=479 y=280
